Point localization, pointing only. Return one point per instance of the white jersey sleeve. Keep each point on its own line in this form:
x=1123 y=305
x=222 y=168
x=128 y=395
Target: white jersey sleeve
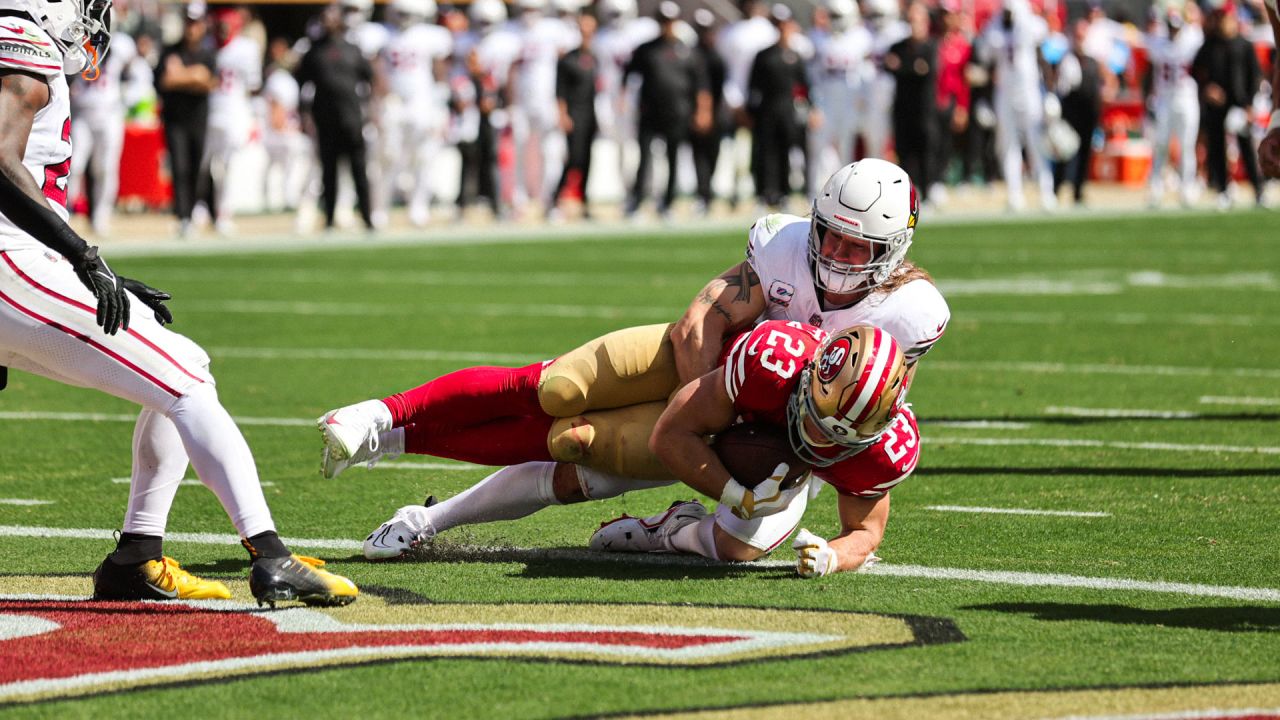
x=25 y=46
x=915 y=314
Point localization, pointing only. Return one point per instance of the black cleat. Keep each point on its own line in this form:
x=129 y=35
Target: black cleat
x=273 y=580
x=162 y=579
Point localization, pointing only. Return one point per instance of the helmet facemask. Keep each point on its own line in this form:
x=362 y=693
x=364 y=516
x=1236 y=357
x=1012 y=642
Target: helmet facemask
x=847 y=397
x=833 y=276
x=82 y=30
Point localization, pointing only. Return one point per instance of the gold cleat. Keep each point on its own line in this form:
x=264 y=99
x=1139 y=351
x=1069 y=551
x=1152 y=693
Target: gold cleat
x=300 y=578
x=162 y=579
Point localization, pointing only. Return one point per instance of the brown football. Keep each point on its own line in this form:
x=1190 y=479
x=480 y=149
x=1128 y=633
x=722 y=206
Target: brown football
x=750 y=452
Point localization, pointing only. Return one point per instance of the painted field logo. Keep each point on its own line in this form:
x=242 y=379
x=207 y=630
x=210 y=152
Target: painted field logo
x=72 y=647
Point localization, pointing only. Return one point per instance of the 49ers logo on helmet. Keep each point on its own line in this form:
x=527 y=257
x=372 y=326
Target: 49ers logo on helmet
x=833 y=359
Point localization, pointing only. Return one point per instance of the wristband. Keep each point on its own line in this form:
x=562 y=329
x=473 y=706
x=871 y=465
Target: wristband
x=1275 y=121
x=732 y=494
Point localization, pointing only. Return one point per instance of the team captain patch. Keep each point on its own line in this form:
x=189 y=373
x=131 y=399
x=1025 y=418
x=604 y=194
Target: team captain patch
x=73 y=647
x=781 y=293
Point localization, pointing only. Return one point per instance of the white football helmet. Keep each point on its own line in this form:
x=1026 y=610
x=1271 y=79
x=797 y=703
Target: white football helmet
x=488 y=12
x=847 y=395
x=356 y=12
x=843 y=13
x=870 y=200
x=82 y=30
x=413 y=11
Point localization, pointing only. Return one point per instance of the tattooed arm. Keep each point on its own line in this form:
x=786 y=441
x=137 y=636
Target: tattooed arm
x=728 y=303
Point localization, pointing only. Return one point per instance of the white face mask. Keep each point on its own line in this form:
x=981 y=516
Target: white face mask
x=835 y=281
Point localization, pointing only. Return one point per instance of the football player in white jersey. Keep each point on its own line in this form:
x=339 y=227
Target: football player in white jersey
x=591 y=409
x=535 y=120
x=415 y=108
x=98 y=133
x=288 y=149
x=1174 y=101
x=65 y=315
x=620 y=33
x=1012 y=40
x=231 y=117
x=837 y=74
x=739 y=44
x=874 y=111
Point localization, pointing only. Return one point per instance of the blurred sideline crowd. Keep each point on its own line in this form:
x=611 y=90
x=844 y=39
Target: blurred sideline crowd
x=545 y=107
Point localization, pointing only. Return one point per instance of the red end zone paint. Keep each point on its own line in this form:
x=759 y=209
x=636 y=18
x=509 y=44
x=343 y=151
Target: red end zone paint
x=114 y=636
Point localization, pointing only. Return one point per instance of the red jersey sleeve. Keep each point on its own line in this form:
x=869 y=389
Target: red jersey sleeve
x=877 y=469
x=762 y=368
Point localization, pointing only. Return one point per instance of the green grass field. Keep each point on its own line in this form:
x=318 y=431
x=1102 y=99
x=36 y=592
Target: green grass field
x=1124 y=367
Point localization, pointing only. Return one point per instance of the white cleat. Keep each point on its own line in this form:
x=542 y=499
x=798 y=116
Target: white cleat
x=649 y=535
x=406 y=530
x=351 y=436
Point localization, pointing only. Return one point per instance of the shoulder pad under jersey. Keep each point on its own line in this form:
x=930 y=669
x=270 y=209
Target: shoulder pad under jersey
x=25 y=46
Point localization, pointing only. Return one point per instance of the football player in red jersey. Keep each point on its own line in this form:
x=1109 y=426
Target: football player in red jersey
x=594 y=407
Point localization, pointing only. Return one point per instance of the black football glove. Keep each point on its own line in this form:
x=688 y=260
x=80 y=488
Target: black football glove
x=151 y=297
x=106 y=286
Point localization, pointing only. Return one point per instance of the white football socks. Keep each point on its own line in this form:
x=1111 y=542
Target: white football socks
x=598 y=485
x=159 y=462
x=222 y=458
x=510 y=493
x=696 y=538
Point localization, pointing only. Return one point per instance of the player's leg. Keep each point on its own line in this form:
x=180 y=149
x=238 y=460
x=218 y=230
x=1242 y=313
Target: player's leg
x=624 y=367
x=429 y=143
x=685 y=527
x=508 y=494
x=1010 y=153
x=614 y=441
x=82 y=137
x=106 y=176
x=47 y=323
x=1188 y=127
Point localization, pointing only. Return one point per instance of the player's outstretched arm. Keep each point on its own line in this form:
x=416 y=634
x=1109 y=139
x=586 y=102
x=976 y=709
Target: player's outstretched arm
x=862 y=522
x=728 y=303
x=23 y=203
x=679 y=440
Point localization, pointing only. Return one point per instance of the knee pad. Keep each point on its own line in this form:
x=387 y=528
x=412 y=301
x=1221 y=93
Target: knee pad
x=622 y=368
x=612 y=441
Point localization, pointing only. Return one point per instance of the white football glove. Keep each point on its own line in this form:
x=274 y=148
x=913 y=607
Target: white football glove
x=814 y=557
x=765 y=499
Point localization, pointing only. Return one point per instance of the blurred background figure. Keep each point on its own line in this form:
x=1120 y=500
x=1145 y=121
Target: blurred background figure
x=475 y=97
x=739 y=44
x=674 y=100
x=778 y=103
x=539 y=145
x=286 y=147
x=414 y=108
x=576 y=81
x=1173 y=103
x=913 y=62
x=184 y=79
x=1077 y=83
x=1227 y=72
x=619 y=34
x=1011 y=40
x=884 y=21
x=706 y=143
x=955 y=52
x=99 y=107
x=840 y=65
x=238 y=66
x=340 y=76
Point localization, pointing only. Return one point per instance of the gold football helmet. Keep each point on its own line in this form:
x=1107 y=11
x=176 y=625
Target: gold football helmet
x=847 y=395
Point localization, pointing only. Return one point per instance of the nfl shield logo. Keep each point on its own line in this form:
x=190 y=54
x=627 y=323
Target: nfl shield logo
x=815 y=320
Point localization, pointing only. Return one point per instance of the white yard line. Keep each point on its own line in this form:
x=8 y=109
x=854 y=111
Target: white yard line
x=1058 y=368
x=428 y=466
x=1218 y=400
x=1014 y=511
x=999 y=577
x=495 y=310
x=1071 y=411
x=1211 y=714
x=975 y=424
x=24 y=502
x=185 y=482
x=1058 y=318
x=129 y=418
x=380 y=354
x=1107 y=444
